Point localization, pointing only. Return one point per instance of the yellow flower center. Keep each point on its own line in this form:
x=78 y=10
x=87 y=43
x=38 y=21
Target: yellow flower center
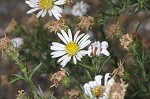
x=72 y=48
x=46 y=4
x=98 y=91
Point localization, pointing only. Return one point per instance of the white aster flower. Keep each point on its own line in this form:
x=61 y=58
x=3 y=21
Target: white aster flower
x=97 y=48
x=95 y=89
x=79 y=9
x=72 y=47
x=50 y=6
x=17 y=42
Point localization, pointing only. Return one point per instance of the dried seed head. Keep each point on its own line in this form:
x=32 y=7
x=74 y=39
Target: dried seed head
x=4 y=42
x=69 y=2
x=114 y=30
x=11 y=26
x=58 y=76
x=126 y=40
x=73 y=94
x=56 y=26
x=21 y=95
x=32 y=20
x=119 y=71
x=4 y=79
x=86 y=23
x=118 y=90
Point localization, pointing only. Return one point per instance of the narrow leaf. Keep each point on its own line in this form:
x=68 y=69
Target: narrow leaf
x=34 y=70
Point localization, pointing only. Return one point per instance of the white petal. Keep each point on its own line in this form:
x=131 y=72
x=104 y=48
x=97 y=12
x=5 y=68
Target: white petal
x=75 y=36
x=104 y=44
x=87 y=36
x=105 y=52
x=81 y=35
x=98 y=51
x=62 y=58
x=62 y=38
x=44 y=13
x=111 y=82
x=56 y=14
x=92 y=84
x=27 y=2
x=39 y=13
x=60 y=2
x=78 y=58
x=107 y=76
x=50 y=13
x=65 y=61
x=98 y=79
x=32 y=10
x=57 y=48
x=74 y=60
x=65 y=36
x=85 y=44
x=87 y=89
x=70 y=34
x=58 y=9
x=58 y=44
x=58 y=54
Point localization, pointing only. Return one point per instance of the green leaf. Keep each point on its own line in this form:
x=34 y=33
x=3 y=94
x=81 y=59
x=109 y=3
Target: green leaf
x=14 y=80
x=20 y=77
x=32 y=72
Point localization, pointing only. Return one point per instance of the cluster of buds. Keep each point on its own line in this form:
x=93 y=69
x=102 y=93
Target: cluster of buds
x=86 y=23
x=58 y=77
x=97 y=48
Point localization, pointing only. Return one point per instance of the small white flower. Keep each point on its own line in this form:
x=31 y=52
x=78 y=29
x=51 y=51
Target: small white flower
x=50 y=6
x=79 y=9
x=97 y=48
x=95 y=89
x=17 y=42
x=72 y=47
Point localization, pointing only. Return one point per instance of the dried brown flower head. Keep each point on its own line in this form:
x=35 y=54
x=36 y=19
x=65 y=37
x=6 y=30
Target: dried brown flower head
x=73 y=94
x=11 y=26
x=68 y=2
x=118 y=90
x=32 y=20
x=4 y=79
x=119 y=71
x=21 y=95
x=55 y=26
x=58 y=76
x=114 y=30
x=126 y=40
x=86 y=23
x=4 y=43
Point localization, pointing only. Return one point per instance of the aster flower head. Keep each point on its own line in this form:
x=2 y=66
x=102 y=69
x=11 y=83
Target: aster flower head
x=95 y=89
x=79 y=9
x=72 y=47
x=50 y=6
x=97 y=48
